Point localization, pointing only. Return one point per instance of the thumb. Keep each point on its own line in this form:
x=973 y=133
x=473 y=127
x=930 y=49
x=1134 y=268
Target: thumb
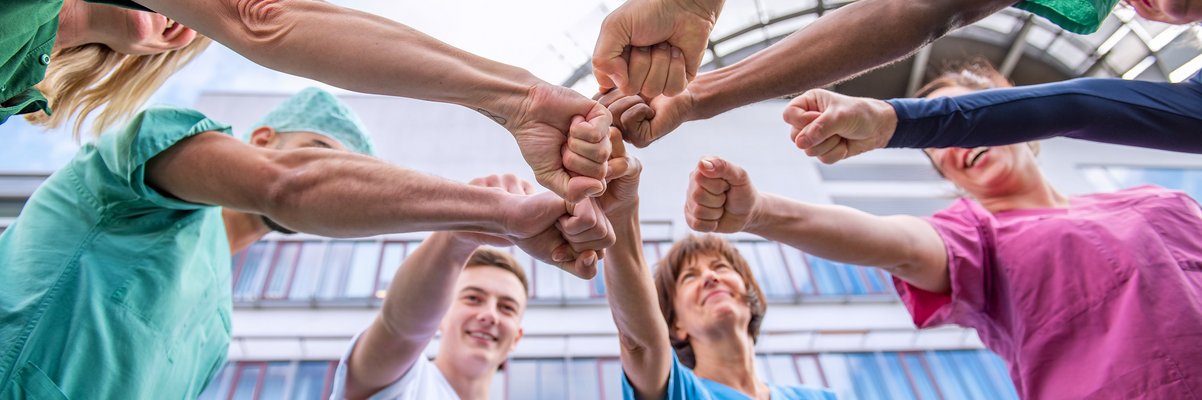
x=717 y=168
x=816 y=132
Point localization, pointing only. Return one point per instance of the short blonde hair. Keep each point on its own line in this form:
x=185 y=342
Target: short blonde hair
x=82 y=79
x=490 y=257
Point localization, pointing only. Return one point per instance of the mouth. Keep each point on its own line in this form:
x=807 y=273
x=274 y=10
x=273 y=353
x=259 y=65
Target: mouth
x=973 y=156
x=483 y=336
x=714 y=294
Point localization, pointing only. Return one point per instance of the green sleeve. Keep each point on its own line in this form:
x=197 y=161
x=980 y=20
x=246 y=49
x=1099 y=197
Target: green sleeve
x=126 y=152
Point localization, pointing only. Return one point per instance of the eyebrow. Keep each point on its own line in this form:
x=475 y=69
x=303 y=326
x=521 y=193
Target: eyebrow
x=482 y=291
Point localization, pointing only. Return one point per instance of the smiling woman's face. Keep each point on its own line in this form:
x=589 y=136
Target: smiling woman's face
x=985 y=172
x=710 y=295
x=1169 y=11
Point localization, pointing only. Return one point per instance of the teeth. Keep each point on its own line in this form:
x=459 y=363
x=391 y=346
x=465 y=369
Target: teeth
x=170 y=23
x=482 y=336
x=975 y=155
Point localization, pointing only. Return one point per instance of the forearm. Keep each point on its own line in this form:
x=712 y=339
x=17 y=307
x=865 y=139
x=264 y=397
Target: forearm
x=902 y=245
x=643 y=335
x=848 y=41
x=418 y=297
x=1146 y=114
x=341 y=194
x=354 y=50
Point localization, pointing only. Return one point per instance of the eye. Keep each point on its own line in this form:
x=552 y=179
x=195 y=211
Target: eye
x=509 y=309
x=472 y=299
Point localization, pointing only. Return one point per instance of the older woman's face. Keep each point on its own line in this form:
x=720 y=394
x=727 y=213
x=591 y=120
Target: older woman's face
x=710 y=296
x=137 y=32
x=985 y=172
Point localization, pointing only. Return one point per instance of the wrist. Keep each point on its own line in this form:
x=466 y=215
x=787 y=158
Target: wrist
x=761 y=213
x=707 y=8
x=506 y=96
x=455 y=244
x=887 y=118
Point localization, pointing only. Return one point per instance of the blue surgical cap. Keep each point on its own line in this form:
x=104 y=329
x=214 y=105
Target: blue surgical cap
x=315 y=110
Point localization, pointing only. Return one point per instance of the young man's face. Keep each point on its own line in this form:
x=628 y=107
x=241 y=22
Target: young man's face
x=483 y=324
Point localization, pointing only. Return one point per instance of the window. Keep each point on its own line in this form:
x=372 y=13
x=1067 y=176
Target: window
x=1110 y=178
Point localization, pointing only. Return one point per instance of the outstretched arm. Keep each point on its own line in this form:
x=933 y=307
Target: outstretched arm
x=419 y=295
x=367 y=53
x=341 y=194
x=722 y=199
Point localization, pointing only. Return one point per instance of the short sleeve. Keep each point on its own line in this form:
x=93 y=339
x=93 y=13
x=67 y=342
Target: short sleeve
x=421 y=381
x=682 y=384
x=965 y=230
x=125 y=152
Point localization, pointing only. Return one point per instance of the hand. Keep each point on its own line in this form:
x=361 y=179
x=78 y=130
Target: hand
x=621 y=198
x=533 y=225
x=643 y=123
x=562 y=135
x=833 y=127
x=720 y=197
x=679 y=31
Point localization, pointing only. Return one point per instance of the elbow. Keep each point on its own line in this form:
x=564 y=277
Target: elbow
x=287 y=185
x=259 y=24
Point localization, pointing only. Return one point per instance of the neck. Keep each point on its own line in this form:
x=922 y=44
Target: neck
x=1040 y=194
x=468 y=385
x=242 y=229
x=728 y=359
x=72 y=24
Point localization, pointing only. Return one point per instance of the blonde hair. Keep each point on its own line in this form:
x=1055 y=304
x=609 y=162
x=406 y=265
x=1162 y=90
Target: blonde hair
x=81 y=79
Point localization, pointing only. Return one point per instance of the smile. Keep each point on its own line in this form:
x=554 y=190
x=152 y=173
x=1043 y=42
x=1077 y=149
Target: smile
x=482 y=336
x=713 y=294
x=972 y=157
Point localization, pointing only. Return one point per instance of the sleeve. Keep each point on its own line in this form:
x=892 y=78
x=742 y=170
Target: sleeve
x=682 y=384
x=126 y=152
x=1156 y=115
x=421 y=367
x=969 y=243
x=1082 y=17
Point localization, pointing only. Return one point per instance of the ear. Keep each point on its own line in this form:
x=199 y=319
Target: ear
x=263 y=137
x=678 y=331
x=516 y=340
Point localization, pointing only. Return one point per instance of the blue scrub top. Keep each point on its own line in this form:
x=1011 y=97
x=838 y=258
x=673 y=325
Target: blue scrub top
x=683 y=384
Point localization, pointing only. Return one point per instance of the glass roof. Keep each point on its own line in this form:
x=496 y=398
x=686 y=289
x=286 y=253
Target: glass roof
x=554 y=40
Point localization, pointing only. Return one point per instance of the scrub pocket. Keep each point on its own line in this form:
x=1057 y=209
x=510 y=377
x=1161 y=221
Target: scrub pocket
x=32 y=383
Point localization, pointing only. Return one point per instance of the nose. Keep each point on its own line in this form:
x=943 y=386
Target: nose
x=487 y=316
x=709 y=278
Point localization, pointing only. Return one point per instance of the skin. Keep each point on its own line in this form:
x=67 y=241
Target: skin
x=314 y=188
x=722 y=199
x=871 y=33
x=390 y=58
x=1169 y=11
x=434 y=291
x=710 y=304
x=124 y=30
x=653 y=47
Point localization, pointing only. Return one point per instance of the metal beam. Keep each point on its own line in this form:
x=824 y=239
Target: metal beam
x=918 y=69
x=1016 y=47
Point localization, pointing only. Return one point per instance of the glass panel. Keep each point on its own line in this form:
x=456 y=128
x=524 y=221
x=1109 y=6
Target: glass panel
x=998 y=372
x=852 y=280
x=945 y=376
x=248 y=379
x=809 y=370
x=549 y=284
x=896 y=383
x=394 y=252
x=611 y=379
x=282 y=265
x=747 y=250
x=651 y=253
x=338 y=260
x=866 y=376
x=523 y=379
x=777 y=283
x=311 y=265
x=277 y=376
x=970 y=368
x=838 y=377
x=310 y=380
x=919 y=375
x=798 y=269
x=826 y=277
x=362 y=274
x=552 y=379
x=761 y=369
x=872 y=281
x=220 y=386
x=598 y=282
x=250 y=279
x=497 y=389
x=783 y=370
x=583 y=379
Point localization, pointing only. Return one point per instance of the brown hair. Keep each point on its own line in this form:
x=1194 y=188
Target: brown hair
x=82 y=79
x=490 y=257
x=669 y=267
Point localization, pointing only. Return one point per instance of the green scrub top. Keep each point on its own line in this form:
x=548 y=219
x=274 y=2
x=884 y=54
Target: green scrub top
x=1082 y=17
x=110 y=289
x=27 y=32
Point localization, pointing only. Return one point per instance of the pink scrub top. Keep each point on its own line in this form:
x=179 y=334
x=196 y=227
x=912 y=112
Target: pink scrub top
x=1102 y=299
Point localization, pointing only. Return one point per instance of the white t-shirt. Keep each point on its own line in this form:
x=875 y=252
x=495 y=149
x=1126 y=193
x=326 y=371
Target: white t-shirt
x=423 y=381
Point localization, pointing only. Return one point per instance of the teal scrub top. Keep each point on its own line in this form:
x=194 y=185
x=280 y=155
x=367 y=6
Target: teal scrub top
x=27 y=32
x=110 y=289
x=683 y=384
x=1082 y=17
